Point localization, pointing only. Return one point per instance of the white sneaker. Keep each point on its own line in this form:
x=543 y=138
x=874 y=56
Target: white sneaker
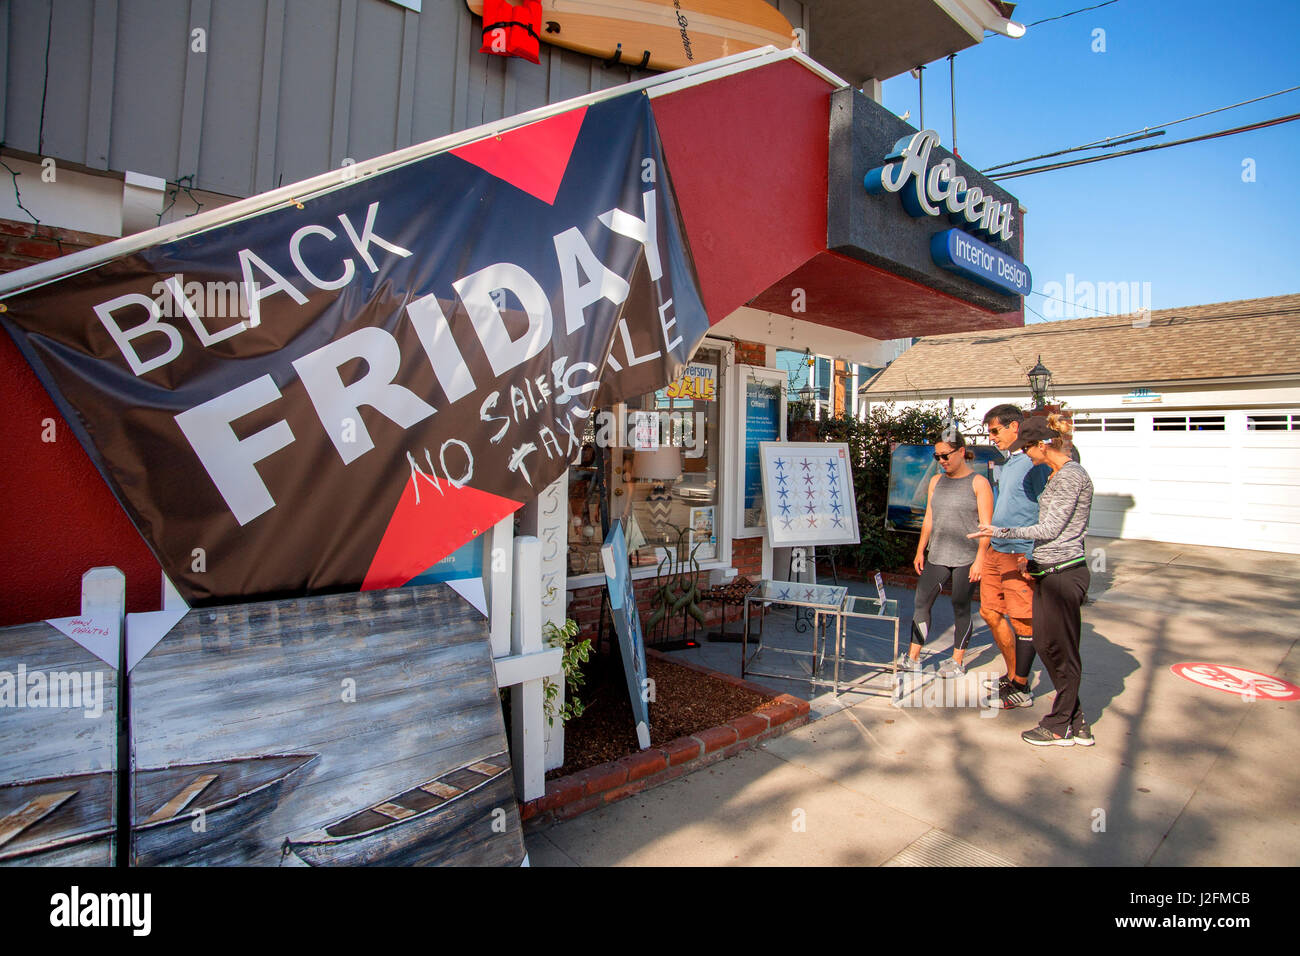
x=950 y=669
x=906 y=663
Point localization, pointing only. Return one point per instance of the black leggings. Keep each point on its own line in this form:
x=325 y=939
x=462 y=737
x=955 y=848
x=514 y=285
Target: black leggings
x=933 y=578
x=1057 y=626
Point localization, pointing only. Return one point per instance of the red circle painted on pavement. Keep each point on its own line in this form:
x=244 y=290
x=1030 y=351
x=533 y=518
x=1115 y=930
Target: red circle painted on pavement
x=1237 y=680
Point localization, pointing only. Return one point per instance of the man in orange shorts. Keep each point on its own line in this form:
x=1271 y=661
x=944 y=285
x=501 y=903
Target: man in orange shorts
x=1005 y=592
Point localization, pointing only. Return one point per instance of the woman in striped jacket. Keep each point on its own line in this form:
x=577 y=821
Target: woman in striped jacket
x=1060 y=572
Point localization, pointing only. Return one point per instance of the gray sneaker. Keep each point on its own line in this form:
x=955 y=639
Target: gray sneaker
x=950 y=669
x=1083 y=735
x=906 y=663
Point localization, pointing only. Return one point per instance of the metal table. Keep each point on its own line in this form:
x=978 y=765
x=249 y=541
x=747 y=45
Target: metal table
x=862 y=607
x=823 y=600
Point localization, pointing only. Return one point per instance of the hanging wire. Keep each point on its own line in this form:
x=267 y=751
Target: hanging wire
x=1057 y=298
x=1156 y=129
x=45 y=86
x=1096 y=6
x=1278 y=121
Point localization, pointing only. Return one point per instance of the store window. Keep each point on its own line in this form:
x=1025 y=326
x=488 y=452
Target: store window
x=654 y=464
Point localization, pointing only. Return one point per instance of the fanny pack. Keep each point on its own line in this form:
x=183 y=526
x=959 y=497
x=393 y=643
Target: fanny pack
x=1036 y=570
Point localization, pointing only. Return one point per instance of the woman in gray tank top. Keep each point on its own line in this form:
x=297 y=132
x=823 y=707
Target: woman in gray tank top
x=957 y=503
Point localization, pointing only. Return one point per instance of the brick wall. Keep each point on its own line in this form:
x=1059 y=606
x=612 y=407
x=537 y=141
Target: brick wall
x=751 y=353
x=747 y=557
x=584 y=604
x=24 y=243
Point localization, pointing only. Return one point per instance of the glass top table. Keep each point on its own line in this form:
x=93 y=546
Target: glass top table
x=824 y=596
x=831 y=606
x=861 y=606
x=823 y=600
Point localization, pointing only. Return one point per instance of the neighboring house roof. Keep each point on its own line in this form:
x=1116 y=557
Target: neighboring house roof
x=1242 y=339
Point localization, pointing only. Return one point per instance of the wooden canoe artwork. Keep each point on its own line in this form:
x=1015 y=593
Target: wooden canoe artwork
x=56 y=820
x=660 y=34
x=58 y=750
x=386 y=700
x=397 y=831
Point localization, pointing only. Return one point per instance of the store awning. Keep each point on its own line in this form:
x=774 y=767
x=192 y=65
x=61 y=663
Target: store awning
x=749 y=153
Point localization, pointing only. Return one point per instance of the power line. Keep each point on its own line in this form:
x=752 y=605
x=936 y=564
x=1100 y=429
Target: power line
x=1074 y=149
x=1156 y=129
x=1097 y=6
x=1057 y=298
x=1147 y=149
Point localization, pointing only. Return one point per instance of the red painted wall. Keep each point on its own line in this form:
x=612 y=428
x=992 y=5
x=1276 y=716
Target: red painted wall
x=57 y=517
x=748 y=156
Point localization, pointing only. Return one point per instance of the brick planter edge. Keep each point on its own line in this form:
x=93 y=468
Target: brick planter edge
x=577 y=793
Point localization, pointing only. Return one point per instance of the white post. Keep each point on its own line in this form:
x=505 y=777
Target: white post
x=498 y=566
x=526 y=706
x=546 y=516
x=103 y=599
x=104 y=596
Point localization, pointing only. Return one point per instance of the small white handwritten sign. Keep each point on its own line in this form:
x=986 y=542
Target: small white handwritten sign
x=100 y=637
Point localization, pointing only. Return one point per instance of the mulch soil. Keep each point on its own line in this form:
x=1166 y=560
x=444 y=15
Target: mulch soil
x=686 y=702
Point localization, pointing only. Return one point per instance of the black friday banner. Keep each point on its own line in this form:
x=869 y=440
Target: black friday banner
x=386 y=369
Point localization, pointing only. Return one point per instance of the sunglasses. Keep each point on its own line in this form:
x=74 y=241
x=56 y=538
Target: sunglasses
x=946 y=456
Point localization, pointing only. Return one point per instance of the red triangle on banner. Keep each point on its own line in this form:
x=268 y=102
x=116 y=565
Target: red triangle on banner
x=419 y=535
x=532 y=157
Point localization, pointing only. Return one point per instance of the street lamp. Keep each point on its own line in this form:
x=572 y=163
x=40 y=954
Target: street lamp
x=1039 y=378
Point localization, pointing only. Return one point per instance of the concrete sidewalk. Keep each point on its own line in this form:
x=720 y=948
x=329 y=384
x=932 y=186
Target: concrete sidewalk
x=1182 y=774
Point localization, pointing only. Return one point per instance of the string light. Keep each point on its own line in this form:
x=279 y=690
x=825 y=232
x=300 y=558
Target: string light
x=181 y=186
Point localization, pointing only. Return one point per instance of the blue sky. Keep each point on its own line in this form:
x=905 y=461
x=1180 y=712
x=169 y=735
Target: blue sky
x=1181 y=219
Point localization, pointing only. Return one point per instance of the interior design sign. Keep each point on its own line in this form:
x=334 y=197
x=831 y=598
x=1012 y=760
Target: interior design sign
x=395 y=364
x=893 y=189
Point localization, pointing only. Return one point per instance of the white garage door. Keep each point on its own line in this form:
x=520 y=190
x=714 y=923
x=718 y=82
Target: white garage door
x=1229 y=478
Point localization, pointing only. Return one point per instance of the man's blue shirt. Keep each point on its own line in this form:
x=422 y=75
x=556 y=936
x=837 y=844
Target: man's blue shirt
x=1019 y=485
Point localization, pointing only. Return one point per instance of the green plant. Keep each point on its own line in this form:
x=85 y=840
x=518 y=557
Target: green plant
x=871 y=441
x=575 y=653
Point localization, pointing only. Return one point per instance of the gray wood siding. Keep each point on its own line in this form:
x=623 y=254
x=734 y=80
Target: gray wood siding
x=286 y=88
